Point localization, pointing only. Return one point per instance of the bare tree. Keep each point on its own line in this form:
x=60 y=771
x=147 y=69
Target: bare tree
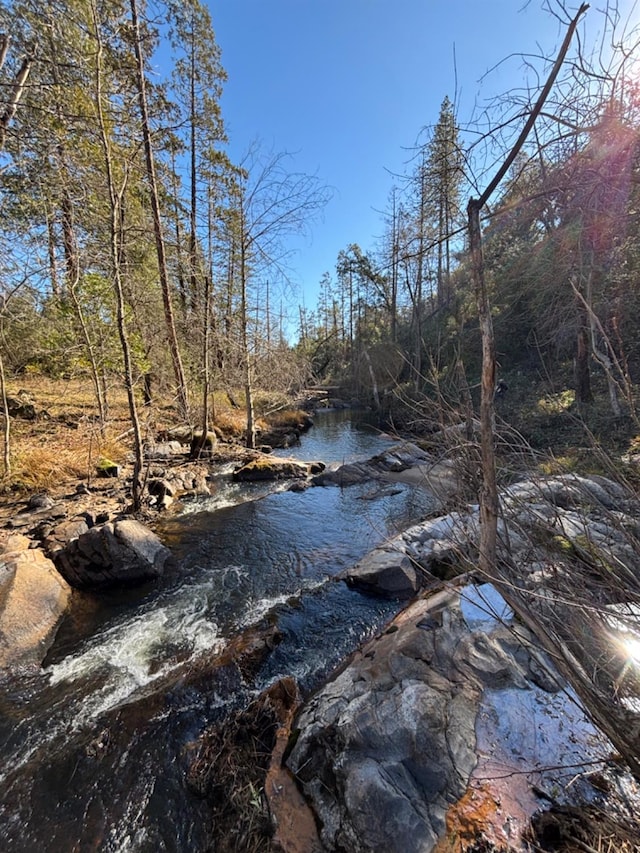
x=489 y=497
x=269 y=203
x=5 y=119
x=17 y=89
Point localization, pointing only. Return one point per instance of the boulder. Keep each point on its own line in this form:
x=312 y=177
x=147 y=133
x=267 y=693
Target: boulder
x=23 y=406
x=107 y=468
x=117 y=554
x=389 y=743
x=441 y=728
x=202 y=447
x=33 y=600
x=399 y=458
x=40 y=501
x=348 y=474
x=190 y=479
x=384 y=572
x=62 y=534
x=162 y=492
x=162 y=450
x=272 y=468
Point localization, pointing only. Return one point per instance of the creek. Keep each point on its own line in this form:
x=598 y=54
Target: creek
x=95 y=744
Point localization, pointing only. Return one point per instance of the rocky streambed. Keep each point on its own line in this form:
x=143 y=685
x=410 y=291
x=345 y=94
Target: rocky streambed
x=459 y=726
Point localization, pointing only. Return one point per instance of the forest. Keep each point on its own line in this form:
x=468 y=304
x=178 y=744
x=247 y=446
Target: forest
x=137 y=256
x=493 y=326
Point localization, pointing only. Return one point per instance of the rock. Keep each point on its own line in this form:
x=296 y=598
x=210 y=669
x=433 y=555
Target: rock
x=572 y=515
x=346 y=475
x=399 y=458
x=202 y=448
x=189 y=479
x=32 y=518
x=384 y=572
x=33 y=600
x=435 y=730
x=115 y=554
x=389 y=743
x=107 y=468
x=271 y=468
x=40 y=502
x=162 y=450
x=162 y=491
x=62 y=534
x=299 y=486
x=23 y=406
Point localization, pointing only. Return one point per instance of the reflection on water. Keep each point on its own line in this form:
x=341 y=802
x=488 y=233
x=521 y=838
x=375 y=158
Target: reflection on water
x=262 y=554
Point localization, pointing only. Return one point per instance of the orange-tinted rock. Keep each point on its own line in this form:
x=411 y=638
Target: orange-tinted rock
x=295 y=828
x=33 y=599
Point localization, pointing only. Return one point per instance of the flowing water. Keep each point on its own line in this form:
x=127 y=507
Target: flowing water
x=95 y=745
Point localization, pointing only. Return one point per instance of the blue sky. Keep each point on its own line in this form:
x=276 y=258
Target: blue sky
x=347 y=85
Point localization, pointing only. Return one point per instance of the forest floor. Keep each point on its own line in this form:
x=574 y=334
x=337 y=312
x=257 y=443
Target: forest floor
x=58 y=451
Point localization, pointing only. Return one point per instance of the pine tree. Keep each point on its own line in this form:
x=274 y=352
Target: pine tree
x=445 y=176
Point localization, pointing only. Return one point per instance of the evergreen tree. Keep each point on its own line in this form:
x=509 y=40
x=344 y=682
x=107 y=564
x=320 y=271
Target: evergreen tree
x=445 y=176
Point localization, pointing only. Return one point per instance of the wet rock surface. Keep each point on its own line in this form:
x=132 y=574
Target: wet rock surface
x=457 y=678
x=33 y=600
x=397 y=459
x=271 y=468
x=389 y=573
x=119 y=554
x=446 y=731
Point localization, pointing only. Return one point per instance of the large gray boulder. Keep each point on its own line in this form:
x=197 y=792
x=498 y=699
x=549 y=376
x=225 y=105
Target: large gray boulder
x=116 y=554
x=447 y=725
x=399 y=458
x=388 y=573
x=33 y=600
x=389 y=744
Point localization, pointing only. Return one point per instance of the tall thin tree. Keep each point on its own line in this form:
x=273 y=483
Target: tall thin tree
x=176 y=358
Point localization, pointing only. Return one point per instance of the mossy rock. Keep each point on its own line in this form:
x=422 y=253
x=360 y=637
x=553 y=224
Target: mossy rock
x=107 y=468
x=271 y=468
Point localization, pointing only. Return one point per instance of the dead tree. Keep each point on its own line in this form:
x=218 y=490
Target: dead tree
x=489 y=494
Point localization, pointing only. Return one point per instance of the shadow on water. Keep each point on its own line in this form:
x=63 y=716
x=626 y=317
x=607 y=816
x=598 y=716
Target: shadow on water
x=95 y=745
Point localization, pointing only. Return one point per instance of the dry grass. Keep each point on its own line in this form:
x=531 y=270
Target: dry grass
x=569 y=829
x=287 y=419
x=231 y=421
x=65 y=442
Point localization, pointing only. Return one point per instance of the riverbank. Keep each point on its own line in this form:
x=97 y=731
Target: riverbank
x=237 y=567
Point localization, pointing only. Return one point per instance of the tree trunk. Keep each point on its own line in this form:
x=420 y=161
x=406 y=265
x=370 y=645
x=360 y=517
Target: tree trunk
x=181 y=389
x=374 y=384
x=70 y=245
x=6 y=444
x=4 y=47
x=51 y=248
x=581 y=367
x=93 y=361
x=246 y=356
x=182 y=290
x=115 y=201
x=16 y=92
x=206 y=337
x=489 y=497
